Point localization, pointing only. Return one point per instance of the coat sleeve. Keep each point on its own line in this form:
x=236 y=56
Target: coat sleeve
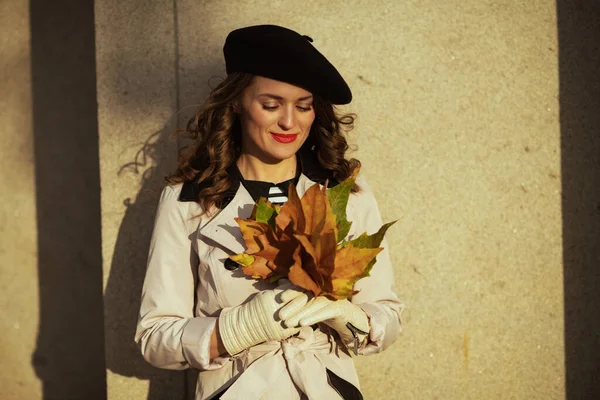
x=377 y=295
x=168 y=334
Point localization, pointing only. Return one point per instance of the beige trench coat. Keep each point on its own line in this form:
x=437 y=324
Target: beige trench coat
x=186 y=286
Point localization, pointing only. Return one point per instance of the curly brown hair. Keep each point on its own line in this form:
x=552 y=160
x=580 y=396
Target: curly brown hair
x=216 y=132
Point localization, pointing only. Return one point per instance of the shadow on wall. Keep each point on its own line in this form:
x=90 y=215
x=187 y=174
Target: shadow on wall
x=155 y=160
x=69 y=355
x=81 y=334
x=127 y=269
x=579 y=68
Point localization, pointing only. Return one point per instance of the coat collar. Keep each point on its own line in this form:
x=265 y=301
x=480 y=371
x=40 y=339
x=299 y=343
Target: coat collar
x=224 y=231
x=310 y=167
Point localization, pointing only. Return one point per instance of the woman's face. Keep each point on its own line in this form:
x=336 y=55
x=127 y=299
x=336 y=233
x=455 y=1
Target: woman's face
x=275 y=118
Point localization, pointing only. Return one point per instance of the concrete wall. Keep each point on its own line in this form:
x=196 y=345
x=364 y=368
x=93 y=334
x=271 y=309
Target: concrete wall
x=460 y=133
x=18 y=242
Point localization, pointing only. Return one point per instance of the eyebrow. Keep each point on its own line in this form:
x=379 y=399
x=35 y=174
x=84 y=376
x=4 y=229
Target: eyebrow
x=276 y=97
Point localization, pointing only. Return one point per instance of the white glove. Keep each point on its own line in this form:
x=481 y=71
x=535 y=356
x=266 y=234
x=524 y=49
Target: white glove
x=348 y=319
x=257 y=320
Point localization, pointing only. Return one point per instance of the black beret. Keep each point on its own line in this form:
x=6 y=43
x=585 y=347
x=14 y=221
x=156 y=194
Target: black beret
x=279 y=53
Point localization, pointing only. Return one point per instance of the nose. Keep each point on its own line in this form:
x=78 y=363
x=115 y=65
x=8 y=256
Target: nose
x=287 y=119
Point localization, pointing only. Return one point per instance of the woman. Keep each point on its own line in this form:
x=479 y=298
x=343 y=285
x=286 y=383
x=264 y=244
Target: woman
x=271 y=123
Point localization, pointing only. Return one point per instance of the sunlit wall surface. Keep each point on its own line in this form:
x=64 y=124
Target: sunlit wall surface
x=458 y=132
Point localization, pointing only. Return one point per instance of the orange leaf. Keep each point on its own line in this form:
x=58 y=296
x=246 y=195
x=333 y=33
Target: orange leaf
x=291 y=212
x=250 y=229
x=258 y=269
x=317 y=211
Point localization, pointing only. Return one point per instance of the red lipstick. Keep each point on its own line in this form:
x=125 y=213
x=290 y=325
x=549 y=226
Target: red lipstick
x=284 y=138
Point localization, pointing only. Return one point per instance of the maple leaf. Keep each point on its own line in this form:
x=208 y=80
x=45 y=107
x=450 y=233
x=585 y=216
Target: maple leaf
x=318 y=215
x=264 y=212
x=250 y=229
x=338 y=198
x=350 y=265
x=291 y=215
x=301 y=241
x=369 y=241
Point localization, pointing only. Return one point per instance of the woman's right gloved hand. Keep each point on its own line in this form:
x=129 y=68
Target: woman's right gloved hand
x=257 y=320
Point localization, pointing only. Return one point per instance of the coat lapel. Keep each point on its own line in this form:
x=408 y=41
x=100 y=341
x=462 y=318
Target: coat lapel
x=304 y=183
x=222 y=228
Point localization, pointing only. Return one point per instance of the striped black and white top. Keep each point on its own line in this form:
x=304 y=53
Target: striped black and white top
x=276 y=195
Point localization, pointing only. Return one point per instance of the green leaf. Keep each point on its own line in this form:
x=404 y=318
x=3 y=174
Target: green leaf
x=365 y=241
x=343 y=229
x=338 y=199
x=265 y=212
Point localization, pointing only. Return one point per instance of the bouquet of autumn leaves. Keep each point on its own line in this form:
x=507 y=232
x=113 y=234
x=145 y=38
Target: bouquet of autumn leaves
x=304 y=241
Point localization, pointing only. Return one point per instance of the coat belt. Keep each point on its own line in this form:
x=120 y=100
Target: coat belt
x=298 y=356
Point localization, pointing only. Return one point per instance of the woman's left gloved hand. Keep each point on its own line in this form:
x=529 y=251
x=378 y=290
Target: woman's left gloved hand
x=348 y=319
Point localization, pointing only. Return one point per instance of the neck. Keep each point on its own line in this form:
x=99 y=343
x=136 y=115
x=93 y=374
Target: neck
x=254 y=169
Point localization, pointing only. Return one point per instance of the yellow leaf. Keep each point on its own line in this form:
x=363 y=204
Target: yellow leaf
x=342 y=288
x=243 y=259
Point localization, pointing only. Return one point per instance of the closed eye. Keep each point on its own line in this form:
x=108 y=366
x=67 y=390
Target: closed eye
x=300 y=108
x=304 y=109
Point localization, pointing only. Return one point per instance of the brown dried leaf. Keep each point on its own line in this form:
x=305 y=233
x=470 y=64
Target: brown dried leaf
x=300 y=277
x=321 y=253
x=278 y=252
x=258 y=269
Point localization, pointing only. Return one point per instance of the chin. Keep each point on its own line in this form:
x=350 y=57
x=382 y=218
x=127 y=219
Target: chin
x=282 y=154
x=279 y=152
